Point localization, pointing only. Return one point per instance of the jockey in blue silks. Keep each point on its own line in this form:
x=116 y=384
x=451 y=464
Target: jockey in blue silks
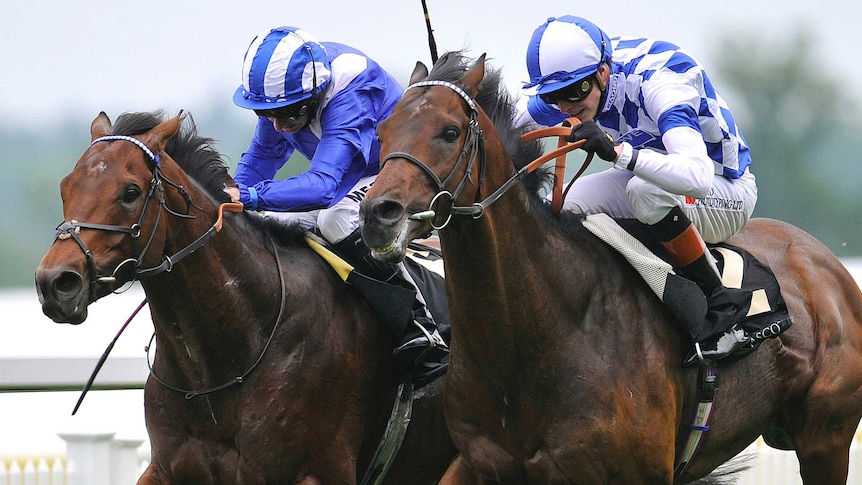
x=324 y=100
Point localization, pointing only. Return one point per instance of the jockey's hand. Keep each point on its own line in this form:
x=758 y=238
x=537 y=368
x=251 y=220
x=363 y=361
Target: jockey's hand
x=233 y=192
x=598 y=140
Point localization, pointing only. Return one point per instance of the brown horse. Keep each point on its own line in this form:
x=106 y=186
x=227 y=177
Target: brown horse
x=565 y=367
x=268 y=368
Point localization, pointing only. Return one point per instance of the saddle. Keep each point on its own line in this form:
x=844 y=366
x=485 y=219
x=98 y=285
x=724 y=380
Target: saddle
x=748 y=305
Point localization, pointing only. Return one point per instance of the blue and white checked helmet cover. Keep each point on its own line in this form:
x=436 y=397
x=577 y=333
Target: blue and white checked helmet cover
x=564 y=50
x=279 y=69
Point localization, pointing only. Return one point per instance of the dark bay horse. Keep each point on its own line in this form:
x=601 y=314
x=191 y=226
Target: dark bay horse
x=268 y=368
x=565 y=367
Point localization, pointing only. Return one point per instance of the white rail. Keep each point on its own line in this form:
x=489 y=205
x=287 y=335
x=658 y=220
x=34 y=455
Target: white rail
x=91 y=459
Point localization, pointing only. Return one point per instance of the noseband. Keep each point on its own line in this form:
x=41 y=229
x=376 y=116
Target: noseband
x=72 y=228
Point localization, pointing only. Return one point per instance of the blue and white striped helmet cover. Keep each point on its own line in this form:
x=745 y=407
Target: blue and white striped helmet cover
x=564 y=50
x=279 y=69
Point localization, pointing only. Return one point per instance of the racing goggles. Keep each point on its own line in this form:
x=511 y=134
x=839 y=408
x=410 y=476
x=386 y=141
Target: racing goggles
x=572 y=93
x=291 y=113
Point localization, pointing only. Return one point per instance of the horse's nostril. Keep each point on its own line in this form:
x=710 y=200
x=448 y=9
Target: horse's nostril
x=68 y=283
x=388 y=210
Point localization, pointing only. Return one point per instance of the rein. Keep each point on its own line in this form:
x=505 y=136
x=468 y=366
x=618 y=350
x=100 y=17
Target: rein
x=215 y=228
x=104 y=357
x=189 y=393
x=442 y=206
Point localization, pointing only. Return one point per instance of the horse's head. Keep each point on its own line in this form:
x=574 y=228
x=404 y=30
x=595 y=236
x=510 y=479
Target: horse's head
x=434 y=162
x=111 y=207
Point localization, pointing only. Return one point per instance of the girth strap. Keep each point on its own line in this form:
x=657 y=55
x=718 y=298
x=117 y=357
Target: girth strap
x=700 y=425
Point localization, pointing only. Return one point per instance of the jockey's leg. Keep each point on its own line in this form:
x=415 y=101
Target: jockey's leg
x=420 y=349
x=687 y=249
x=667 y=221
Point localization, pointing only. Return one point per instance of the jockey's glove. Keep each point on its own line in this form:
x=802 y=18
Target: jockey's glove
x=598 y=140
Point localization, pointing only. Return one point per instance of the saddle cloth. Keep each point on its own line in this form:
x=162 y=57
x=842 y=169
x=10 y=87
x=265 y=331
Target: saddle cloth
x=751 y=296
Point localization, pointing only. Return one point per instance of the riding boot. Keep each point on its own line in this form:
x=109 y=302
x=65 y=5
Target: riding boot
x=688 y=252
x=421 y=350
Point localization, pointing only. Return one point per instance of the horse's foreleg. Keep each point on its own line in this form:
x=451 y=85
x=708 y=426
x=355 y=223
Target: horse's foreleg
x=459 y=473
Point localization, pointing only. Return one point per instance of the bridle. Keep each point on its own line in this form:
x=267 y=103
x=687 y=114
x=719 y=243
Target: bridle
x=72 y=228
x=474 y=147
x=442 y=208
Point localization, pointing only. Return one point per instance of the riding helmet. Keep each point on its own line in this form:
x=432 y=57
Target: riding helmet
x=282 y=66
x=564 y=50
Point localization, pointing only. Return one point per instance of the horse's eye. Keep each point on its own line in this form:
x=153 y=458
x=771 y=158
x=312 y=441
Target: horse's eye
x=451 y=134
x=131 y=194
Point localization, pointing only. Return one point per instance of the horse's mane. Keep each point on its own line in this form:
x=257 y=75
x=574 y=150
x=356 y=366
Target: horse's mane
x=199 y=159
x=195 y=154
x=496 y=101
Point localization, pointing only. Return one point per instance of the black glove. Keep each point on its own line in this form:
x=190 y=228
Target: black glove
x=598 y=140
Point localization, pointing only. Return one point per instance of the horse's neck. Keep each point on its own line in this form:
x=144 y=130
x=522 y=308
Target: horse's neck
x=201 y=308
x=506 y=267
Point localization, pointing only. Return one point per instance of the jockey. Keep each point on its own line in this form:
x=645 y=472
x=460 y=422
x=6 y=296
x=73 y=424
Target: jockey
x=324 y=100
x=680 y=162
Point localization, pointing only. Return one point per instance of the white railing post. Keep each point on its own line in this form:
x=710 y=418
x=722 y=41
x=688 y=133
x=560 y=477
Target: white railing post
x=29 y=473
x=15 y=473
x=91 y=454
x=58 y=473
x=43 y=472
x=124 y=461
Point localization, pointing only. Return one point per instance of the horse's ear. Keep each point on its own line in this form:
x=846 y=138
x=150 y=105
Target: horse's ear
x=420 y=72
x=471 y=80
x=159 y=135
x=101 y=126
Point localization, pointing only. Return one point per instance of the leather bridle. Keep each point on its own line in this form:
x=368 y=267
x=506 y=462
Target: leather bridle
x=72 y=228
x=442 y=208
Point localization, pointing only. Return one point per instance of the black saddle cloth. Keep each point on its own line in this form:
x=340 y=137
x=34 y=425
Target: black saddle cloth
x=431 y=285
x=754 y=301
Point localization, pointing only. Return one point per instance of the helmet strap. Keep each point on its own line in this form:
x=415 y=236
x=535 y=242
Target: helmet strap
x=603 y=89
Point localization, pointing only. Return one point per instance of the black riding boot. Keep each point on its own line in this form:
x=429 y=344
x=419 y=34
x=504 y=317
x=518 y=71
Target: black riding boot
x=688 y=252
x=421 y=350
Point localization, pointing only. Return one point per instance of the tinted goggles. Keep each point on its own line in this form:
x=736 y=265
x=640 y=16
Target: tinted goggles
x=291 y=113
x=572 y=93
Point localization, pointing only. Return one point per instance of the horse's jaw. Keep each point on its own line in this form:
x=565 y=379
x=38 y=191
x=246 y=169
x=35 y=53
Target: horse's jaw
x=395 y=249
x=389 y=243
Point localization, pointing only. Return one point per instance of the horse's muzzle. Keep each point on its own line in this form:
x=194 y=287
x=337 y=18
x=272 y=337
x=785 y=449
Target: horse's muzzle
x=63 y=294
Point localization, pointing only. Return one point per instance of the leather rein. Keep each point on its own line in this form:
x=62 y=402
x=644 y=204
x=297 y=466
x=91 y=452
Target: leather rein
x=442 y=206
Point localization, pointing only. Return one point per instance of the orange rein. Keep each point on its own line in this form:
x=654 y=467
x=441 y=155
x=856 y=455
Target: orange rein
x=563 y=148
x=227 y=206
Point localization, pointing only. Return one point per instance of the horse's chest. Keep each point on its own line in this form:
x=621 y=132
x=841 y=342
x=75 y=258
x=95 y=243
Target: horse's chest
x=207 y=462
x=207 y=444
